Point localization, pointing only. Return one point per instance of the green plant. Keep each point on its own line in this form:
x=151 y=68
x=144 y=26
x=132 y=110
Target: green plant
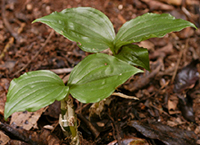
x=97 y=76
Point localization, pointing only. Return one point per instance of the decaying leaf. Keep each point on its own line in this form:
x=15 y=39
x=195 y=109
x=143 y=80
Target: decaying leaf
x=187 y=77
x=26 y=120
x=172 y=104
x=186 y=107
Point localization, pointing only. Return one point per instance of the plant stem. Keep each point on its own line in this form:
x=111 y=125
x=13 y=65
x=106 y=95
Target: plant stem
x=68 y=120
x=71 y=117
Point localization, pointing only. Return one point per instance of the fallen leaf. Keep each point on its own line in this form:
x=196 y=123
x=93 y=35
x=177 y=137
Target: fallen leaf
x=2 y=102
x=173 y=2
x=186 y=33
x=186 y=107
x=156 y=5
x=187 y=77
x=53 y=110
x=26 y=119
x=147 y=44
x=4 y=139
x=172 y=104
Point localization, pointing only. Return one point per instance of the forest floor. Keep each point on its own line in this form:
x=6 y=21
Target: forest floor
x=160 y=116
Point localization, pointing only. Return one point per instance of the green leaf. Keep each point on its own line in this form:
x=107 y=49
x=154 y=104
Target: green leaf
x=97 y=76
x=89 y=27
x=148 y=26
x=34 y=90
x=134 y=55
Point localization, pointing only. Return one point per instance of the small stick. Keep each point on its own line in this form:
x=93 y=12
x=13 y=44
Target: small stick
x=66 y=78
x=94 y=131
x=8 y=45
x=34 y=57
x=124 y=96
x=61 y=70
x=7 y=24
x=178 y=62
x=116 y=128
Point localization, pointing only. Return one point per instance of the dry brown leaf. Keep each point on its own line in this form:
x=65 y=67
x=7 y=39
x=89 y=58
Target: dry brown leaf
x=172 y=104
x=172 y=2
x=156 y=5
x=186 y=33
x=147 y=44
x=179 y=2
x=2 y=102
x=25 y=119
x=4 y=139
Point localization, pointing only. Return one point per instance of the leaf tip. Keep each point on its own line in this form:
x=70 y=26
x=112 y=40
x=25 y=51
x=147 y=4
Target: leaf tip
x=36 y=20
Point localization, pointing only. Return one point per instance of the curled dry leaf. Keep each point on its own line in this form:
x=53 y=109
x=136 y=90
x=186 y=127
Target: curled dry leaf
x=187 y=77
x=172 y=104
x=186 y=107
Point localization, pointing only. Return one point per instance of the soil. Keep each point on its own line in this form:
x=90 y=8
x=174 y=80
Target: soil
x=162 y=115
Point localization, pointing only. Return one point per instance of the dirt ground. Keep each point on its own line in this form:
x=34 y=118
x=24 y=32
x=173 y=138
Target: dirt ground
x=165 y=113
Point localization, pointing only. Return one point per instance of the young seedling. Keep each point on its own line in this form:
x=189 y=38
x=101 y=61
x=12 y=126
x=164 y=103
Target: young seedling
x=96 y=76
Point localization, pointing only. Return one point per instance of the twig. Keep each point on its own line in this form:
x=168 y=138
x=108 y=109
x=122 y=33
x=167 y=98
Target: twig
x=94 y=131
x=34 y=57
x=116 y=128
x=124 y=96
x=66 y=78
x=121 y=18
x=61 y=70
x=8 y=45
x=160 y=110
x=178 y=62
x=79 y=110
x=7 y=24
x=14 y=132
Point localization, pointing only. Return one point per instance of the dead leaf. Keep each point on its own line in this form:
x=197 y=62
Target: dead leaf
x=179 y=2
x=2 y=102
x=186 y=107
x=9 y=64
x=97 y=108
x=26 y=119
x=156 y=5
x=163 y=51
x=187 y=77
x=175 y=122
x=4 y=139
x=172 y=104
x=173 y=2
x=53 y=110
x=147 y=44
x=186 y=33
